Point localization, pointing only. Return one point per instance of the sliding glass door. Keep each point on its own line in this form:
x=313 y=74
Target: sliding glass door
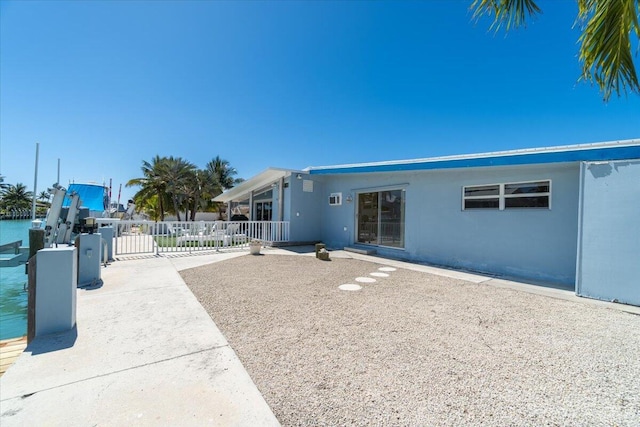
x=263 y=211
x=381 y=218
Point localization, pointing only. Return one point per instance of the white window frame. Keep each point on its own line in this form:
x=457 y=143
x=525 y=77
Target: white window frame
x=501 y=196
x=337 y=199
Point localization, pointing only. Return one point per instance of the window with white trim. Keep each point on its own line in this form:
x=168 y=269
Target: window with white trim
x=515 y=195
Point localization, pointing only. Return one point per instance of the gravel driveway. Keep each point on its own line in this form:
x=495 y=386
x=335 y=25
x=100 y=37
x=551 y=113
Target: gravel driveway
x=415 y=349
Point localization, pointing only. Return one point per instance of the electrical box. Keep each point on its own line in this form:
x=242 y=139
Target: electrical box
x=89 y=255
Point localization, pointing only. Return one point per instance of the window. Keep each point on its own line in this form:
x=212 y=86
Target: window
x=536 y=194
x=335 y=199
x=263 y=211
x=482 y=197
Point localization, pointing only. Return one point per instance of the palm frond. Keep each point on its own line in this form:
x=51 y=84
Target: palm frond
x=605 y=44
x=507 y=13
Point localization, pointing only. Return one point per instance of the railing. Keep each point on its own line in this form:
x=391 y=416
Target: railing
x=149 y=237
x=390 y=232
x=13 y=247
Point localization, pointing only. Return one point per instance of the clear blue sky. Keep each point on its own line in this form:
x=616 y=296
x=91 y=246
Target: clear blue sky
x=105 y=85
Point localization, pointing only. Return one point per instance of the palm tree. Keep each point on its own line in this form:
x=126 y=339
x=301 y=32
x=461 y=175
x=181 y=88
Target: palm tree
x=152 y=183
x=221 y=171
x=44 y=196
x=605 y=42
x=196 y=192
x=149 y=206
x=3 y=186
x=177 y=182
x=17 y=197
x=220 y=177
x=176 y=172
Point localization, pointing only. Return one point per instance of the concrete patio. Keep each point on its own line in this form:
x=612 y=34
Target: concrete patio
x=144 y=352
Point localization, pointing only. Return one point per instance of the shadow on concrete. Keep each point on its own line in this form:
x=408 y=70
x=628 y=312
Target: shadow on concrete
x=53 y=342
x=306 y=249
x=528 y=281
x=92 y=286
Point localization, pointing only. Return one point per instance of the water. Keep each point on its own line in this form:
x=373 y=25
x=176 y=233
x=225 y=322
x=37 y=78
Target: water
x=13 y=297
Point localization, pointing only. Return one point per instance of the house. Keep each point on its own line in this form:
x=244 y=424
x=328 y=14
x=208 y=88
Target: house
x=567 y=216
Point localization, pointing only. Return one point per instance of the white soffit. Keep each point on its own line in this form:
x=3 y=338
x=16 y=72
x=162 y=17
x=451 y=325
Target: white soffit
x=263 y=179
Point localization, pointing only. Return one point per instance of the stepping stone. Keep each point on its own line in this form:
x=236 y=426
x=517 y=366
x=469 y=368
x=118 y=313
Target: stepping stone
x=365 y=280
x=387 y=269
x=349 y=287
x=377 y=274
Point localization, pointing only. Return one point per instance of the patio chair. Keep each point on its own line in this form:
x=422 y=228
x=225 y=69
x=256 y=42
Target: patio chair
x=200 y=234
x=232 y=235
x=174 y=231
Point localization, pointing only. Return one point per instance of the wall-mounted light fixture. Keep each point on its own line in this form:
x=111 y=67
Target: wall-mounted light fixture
x=299 y=176
x=349 y=198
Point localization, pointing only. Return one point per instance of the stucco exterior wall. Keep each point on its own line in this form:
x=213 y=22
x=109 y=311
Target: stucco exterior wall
x=609 y=234
x=537 y=244
x=302 y=209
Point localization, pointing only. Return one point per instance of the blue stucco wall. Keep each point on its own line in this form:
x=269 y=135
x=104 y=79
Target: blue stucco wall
x=302 y=210
x=537 y=244
x=609 y=238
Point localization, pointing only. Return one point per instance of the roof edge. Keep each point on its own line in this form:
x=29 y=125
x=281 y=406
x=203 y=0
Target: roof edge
x=491 y=154
x=542 y=155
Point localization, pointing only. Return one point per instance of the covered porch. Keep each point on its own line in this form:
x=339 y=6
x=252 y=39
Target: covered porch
x=266 y=201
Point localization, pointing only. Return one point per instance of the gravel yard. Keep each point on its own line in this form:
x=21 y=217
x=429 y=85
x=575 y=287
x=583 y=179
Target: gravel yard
x=415 y=349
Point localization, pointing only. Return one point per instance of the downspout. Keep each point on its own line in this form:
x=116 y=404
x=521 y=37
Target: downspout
x=281 y=199
x=251 y=205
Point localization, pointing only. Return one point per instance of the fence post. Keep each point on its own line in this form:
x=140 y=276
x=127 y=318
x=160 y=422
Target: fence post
x=155 y=232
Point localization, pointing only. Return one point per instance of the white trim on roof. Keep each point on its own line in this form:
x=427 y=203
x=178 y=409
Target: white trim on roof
x=262 y=180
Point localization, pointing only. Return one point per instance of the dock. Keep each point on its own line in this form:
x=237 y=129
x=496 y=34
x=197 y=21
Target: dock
x=10 y=350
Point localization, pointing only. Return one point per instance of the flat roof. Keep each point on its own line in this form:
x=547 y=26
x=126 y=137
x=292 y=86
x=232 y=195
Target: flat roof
x=600 y=151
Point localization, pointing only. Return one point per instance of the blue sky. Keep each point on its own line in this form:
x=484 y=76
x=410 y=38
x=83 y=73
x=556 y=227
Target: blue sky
x=104 y=85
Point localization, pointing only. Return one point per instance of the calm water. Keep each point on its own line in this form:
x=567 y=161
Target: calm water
x=13 y=298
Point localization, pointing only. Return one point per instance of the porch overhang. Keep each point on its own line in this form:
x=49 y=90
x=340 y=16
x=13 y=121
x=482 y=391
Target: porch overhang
x=263 y=180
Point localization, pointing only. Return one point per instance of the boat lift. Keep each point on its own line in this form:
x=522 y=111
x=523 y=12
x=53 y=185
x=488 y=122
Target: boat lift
x=57 y=229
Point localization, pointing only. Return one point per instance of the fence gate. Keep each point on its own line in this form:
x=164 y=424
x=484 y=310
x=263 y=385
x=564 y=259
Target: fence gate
x=131 y=237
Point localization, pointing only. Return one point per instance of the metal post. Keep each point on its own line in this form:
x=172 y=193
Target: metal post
x=35 y=185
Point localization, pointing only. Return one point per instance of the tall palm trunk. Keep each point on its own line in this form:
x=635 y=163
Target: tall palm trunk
x=175 y=207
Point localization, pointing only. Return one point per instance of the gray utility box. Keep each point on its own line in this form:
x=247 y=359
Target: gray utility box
x=56 y=282
x=107 y=236
x=89 y=255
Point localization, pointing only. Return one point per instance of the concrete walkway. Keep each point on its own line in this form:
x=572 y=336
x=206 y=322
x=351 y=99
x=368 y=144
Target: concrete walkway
x=144 y=352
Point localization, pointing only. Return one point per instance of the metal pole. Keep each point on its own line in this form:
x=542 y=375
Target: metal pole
x=35 y=185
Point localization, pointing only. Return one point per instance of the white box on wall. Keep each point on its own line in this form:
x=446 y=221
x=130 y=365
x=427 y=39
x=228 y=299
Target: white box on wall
x=335 y=199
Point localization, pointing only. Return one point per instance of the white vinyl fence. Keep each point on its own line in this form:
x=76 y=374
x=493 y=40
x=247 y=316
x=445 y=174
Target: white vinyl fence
x=133 y=237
